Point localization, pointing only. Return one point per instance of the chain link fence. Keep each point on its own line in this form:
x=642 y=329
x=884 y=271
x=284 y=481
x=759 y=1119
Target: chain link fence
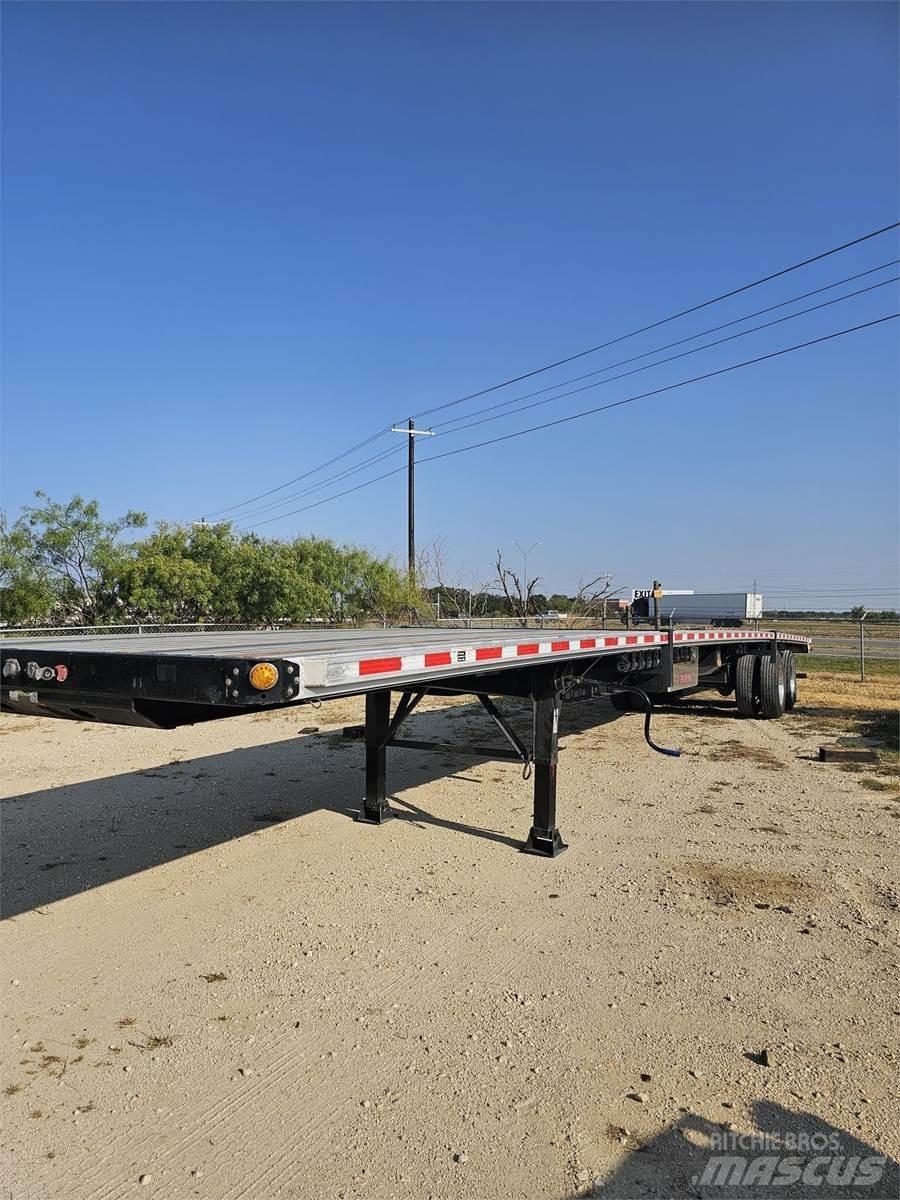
x=862 y=650
x=87 y=631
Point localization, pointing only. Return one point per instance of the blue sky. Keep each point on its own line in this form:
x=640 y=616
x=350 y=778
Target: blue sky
x=240 y=238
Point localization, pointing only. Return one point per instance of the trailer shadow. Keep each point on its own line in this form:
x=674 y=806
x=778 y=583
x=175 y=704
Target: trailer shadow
x=700 y=706
x=62 y=841
x=695 y=1157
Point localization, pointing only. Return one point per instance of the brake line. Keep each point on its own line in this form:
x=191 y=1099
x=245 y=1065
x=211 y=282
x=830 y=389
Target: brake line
x=647 y=717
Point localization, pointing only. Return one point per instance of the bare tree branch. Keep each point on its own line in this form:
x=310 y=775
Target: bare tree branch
x=517 y=596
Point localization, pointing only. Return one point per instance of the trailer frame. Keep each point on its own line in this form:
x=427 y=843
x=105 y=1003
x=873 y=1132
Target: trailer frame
x=165 y=682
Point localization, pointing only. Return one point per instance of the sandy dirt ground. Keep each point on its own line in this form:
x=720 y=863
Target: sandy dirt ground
x=216 y=984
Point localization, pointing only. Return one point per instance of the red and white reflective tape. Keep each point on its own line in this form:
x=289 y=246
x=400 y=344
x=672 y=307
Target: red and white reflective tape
x=319 y=672
x=461 y=656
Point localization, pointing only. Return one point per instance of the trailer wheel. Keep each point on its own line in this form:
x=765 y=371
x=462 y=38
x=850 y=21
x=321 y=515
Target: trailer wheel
x=746 y=685
x=790 y=680
x=772 y=689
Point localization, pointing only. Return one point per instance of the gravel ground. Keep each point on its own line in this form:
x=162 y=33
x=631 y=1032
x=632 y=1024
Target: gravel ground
x=219 y=985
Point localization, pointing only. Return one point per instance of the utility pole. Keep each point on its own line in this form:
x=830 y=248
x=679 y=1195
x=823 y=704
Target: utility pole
x=412 y=433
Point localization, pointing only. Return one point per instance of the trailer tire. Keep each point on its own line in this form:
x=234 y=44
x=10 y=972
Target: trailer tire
x=790 y=680
x=772 y=689
x=746 y=685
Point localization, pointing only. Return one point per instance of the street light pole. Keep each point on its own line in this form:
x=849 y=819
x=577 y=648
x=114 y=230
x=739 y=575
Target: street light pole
x=525 y=554
x=862 y=648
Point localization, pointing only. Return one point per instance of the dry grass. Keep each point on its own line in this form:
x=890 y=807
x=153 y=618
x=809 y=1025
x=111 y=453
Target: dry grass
x=839 y=692
x=154 y=1041
x=733 y=749
x=743 y=886
x=869 y=712
x=878 y=785
x=836 y=628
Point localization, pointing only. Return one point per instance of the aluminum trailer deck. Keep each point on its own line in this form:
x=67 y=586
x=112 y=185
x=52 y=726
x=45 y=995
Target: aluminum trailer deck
x=167 y=680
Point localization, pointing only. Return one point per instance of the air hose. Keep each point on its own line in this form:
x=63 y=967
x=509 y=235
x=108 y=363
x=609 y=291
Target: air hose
x=648 y=703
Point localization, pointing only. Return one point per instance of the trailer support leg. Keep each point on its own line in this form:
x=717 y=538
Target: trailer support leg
x=376 y=809
x=544 y=838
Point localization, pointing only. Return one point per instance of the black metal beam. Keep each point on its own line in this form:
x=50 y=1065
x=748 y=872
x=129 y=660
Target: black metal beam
x=521 y=751
x=408 y=701
x=516 y=682
x=376 y=809
x=544 y=838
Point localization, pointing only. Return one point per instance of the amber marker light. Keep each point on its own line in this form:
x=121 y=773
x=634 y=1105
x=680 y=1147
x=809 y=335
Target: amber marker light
x=263 y=676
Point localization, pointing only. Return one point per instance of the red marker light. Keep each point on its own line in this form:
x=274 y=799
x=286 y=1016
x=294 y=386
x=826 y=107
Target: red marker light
x=62 y=673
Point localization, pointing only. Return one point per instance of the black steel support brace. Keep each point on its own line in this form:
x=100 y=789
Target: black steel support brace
x=376 y=809
x=544 y=838
x=509 y=733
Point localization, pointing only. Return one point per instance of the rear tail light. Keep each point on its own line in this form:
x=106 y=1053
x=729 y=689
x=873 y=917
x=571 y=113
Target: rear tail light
x=263 y=676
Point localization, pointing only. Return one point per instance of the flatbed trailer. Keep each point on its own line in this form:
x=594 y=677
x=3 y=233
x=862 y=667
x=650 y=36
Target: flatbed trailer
x=167 y=680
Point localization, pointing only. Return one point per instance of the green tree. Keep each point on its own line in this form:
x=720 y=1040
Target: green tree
x=378 y=589
x=67 y=560
x=26 y=592
x=162 y=582
x=80 y=553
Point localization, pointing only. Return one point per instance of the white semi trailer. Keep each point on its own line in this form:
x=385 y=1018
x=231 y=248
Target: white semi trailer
x=715 y=608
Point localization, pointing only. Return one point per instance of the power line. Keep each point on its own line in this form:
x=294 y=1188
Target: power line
x=305 y=475
x=350 y=471
x=672 y=357
x=680 y=342
x=570 y=358
x=323 y=483
x=862 y=590
x=663 y=321
x=669 y=387
x=824 y=591
x=591 y=411
x=807 y=588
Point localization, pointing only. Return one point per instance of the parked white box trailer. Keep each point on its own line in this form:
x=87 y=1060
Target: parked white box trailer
x=717 y=608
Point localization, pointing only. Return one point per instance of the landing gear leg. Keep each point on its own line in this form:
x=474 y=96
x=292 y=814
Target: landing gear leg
x=544 y=838
x=376 y=809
